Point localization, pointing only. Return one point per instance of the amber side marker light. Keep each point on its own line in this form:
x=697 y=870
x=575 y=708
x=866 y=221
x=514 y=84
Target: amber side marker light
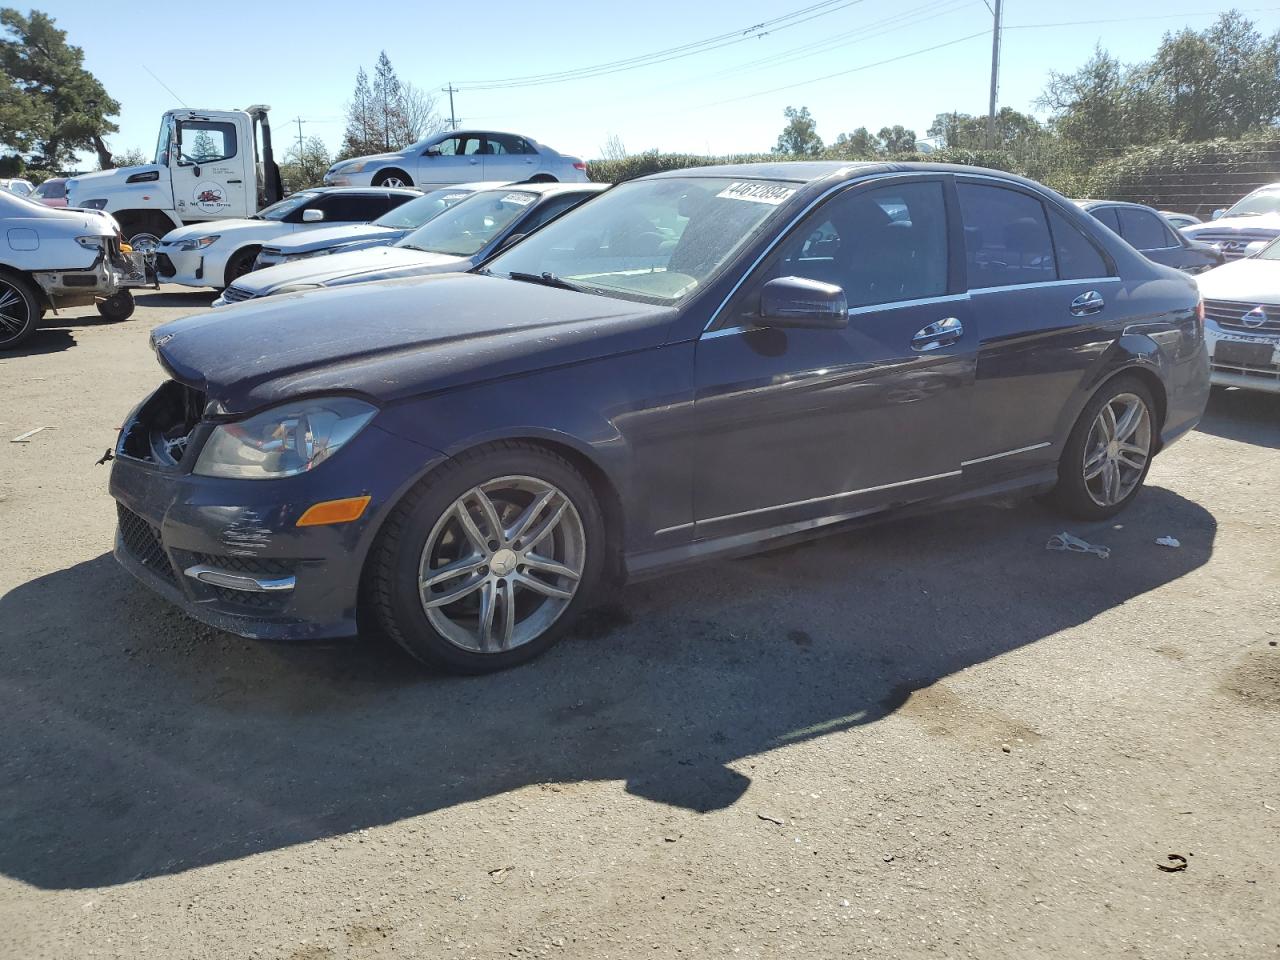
x=334 y=511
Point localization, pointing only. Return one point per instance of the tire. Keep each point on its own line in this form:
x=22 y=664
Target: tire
x=426 y=533
x=143 y=230
x=392 y=178
x=542 y=178
x=20 y=310
x=1117 y=475
x=117 y=307
x=241 y=262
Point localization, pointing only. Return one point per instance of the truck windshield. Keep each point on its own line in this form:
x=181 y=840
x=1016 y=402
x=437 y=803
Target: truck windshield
x=471 y=223
x=162 y=144
x=656 y=241
x=411 y=215
x=281 y=209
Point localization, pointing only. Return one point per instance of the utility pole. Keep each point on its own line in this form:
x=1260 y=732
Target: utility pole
x=451 y=90
x=300 y=123
x=997 y=15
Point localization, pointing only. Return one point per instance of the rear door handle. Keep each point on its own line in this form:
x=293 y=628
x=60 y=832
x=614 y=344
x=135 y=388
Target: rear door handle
x=939 y=334
x=1087 y=303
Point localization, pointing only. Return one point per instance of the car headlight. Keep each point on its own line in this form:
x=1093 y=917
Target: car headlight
x=91 y=243
x=283 y=441
x=96 y=204
x=355 y=166
x=198 y=243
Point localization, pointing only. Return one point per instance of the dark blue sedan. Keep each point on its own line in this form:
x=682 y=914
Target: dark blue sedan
x=690 y=365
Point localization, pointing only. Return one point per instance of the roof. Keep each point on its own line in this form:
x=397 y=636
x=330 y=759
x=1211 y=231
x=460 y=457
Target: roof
x=812 y=171
x=1091 y=204
x=546 y=189
x=397 y=191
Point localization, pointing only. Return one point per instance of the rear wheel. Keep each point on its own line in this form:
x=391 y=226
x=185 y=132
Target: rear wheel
x=486 y=561
x=1109 y=452
x=392 y=178
x=117 y=307
x=20 y=311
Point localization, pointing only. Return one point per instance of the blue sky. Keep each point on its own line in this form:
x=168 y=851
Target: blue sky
x=302 y=57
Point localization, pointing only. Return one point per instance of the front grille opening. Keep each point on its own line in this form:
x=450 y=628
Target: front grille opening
x=142 y=540
x=162 y=429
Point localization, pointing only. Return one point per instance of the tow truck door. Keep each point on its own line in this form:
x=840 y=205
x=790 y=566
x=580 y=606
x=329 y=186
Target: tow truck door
x=211 y=165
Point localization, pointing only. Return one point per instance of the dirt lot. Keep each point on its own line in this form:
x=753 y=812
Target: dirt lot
x=932 y=739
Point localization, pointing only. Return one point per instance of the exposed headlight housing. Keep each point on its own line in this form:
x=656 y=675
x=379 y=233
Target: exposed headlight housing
x=96 y=204
x=285 y=440
x=91 y=243
x=308 y=254
x=196 y=243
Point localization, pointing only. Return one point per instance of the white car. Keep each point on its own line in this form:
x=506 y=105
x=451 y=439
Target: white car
x=1252 y=218
x=388 y=228
x=459 y=156
x=1242 y=321
x=462 y=237
x=50 y=259
x=17 y=186
x=214 y=254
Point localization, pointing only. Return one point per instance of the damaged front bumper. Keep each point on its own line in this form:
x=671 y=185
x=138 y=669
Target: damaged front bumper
x=229 y=552
x=106 y=277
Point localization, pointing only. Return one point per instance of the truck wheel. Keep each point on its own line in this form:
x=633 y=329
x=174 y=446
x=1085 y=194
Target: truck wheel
x=241 y=262
x=392 y=178
x=143 y=231
x=20 y=311
x=117 y=307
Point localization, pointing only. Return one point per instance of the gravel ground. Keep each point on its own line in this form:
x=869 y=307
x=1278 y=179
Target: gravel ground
x=930 y=739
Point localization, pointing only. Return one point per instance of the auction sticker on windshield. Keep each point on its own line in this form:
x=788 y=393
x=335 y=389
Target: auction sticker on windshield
x=770 y=193
x=523 y=199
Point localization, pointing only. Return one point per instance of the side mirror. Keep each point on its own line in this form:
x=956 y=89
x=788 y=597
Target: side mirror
x=312 y=216
x=797 y=302
x=431 y=152
x=514 y=238
x=1217 y=213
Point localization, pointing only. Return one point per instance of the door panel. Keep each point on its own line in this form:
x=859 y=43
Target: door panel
x=802 y=424
x=208 y=171
x=508 y=157
x=459 y=161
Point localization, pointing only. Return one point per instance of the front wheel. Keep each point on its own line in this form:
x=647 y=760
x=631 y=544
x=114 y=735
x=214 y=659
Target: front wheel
x=392 y=178
x=241 y=262
x=1109 y=451
x=486 y=561
x=117 y=307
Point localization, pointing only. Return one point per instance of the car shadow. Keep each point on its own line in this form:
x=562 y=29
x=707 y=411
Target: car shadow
x=1248 y=416
x=194 y=299
x=140 y=743
x=45 y=340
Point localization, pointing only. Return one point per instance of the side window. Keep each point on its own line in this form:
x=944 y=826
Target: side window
x=470 y=145
x=447 y=147
x=506 y=143
x=351 y=207
x=1144 y=230
x=881 y=245
x=1107 y=217
x=1078 y=258
x=206 y=141
x=550 y=210
x=1006 y=237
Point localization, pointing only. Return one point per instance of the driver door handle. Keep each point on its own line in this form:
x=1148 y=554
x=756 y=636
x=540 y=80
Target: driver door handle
x=1087 y=303
x=940 y=334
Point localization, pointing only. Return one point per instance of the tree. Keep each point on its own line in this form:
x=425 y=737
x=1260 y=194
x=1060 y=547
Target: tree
x=305 y=166
x=51 y=105
x=417 y=116
x=799 y=137
x=387 y=114
x=133 y=157
x=202 y=147
x=613 y=149
x=897 y=139
x=862 y=144
x=387 y=100
x=359 y=138
x=966 y=132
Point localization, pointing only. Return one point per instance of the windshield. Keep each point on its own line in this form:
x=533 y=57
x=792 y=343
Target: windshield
x=419 y=210
x=1257 y=203
x=656 y=241
x=162 y=143
x=282 y=208
x=468 y=226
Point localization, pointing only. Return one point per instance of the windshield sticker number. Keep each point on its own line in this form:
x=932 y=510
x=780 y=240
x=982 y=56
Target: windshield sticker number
x=770 y=193
x=522 y=199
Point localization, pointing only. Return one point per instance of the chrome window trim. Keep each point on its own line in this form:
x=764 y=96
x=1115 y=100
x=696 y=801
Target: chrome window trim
x=1006 y=453
x=853 y=312
x=801 y=503
x=777 y=237
x=1042 y=283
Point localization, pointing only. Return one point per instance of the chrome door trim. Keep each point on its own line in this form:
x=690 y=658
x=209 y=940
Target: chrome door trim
x=1042 y=283
x=855 y=312
x=1006 y=453
x=822 y=499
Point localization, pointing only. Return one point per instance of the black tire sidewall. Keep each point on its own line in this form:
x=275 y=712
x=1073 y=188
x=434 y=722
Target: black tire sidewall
x=34 y=309
x=437 y=493
x=1071 y=493
x=117 y=314
x=244 y=258
x=380 y=178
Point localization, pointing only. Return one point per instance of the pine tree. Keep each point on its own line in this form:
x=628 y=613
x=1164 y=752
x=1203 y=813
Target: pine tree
x=387 y=101
x=359 y=136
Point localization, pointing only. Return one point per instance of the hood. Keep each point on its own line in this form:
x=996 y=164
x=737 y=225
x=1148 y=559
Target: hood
x=370 y=158
x=309 y=240
x=1262 y=222
x=397 y=339
x=82 y=182
x=356 y=266
x=219 y=227
x=1249 y=281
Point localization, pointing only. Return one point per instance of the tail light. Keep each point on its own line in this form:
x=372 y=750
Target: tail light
x=1200 y=317
x=579 y=165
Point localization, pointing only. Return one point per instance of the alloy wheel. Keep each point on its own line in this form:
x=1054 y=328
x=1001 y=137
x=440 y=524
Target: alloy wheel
x=1117 y=449
x=15 y=313
x=392 y=182
x=502 y=564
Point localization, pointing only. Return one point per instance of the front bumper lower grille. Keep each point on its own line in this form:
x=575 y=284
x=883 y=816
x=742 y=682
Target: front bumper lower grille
x=236 y=294
x=142 y=540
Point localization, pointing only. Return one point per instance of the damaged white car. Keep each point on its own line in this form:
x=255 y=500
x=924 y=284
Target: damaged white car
x=51 y=259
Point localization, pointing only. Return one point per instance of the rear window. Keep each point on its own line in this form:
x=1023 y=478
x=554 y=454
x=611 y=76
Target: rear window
x=1144 y=230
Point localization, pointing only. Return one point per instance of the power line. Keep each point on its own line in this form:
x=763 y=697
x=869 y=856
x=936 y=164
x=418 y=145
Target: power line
x=754 y=31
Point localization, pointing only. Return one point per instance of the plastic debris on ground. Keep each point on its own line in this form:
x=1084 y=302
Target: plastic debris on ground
x=1072 y=544
x=1169 y=541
